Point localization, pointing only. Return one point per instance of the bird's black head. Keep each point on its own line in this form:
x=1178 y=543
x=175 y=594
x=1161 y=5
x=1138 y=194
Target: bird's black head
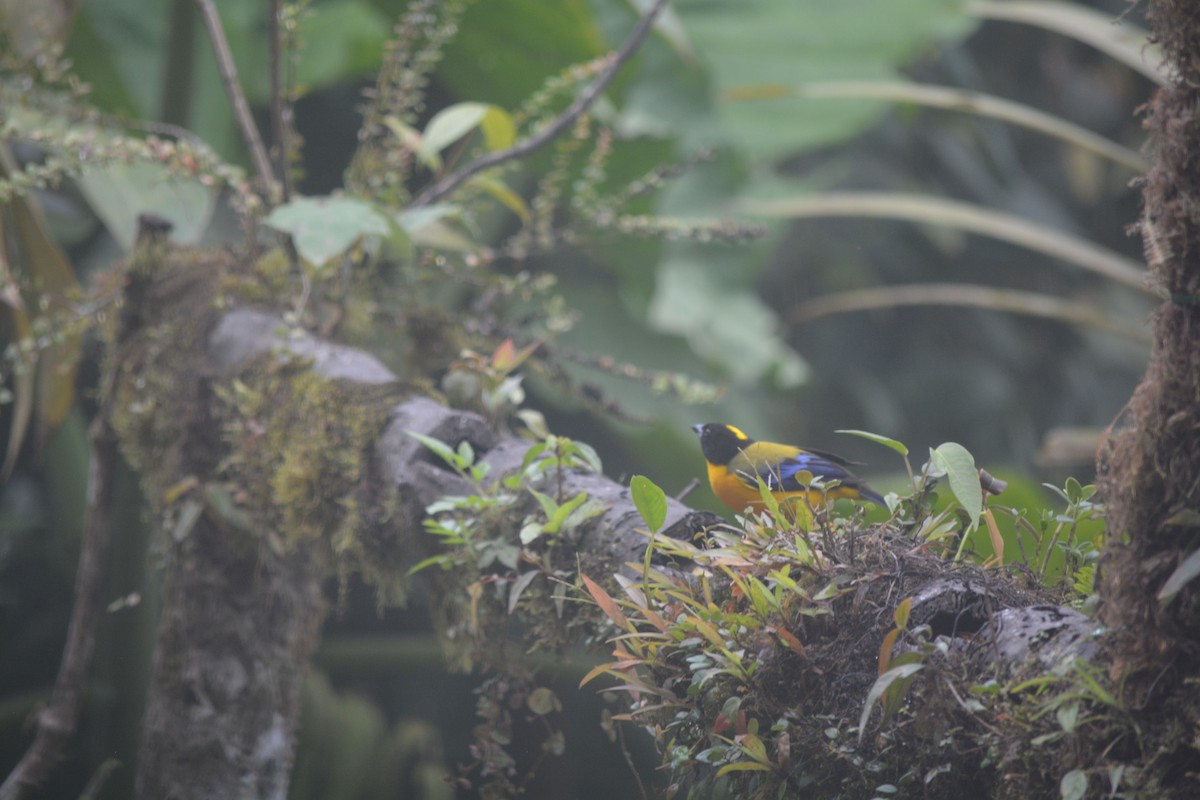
x=720 y=443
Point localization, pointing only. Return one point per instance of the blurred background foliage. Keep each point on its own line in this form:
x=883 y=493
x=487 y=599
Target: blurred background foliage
x=753 y=96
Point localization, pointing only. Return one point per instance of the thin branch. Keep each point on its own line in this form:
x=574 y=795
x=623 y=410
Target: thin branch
x=966 y=216
x=56 y=724
x=279 y=107
x=1012 y=301
x=237 y=98
x=587 y=97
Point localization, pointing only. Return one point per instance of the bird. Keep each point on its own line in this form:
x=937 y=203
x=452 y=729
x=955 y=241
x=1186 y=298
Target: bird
x=736 y=463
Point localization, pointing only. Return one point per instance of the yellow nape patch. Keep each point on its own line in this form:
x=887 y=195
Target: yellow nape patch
x=737 y=432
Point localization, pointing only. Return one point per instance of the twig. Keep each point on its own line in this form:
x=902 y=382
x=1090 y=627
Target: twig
x=970 y=713
x=629 y=761
x=685 y=491
x=279 y=109
x=237 y=98
x=587 y=97
x=56 y=724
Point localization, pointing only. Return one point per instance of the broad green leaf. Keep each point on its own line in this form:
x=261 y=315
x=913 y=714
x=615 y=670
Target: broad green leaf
x=733 y=329
x=650 y=501
x=531 y=532
x=959 y=465
x=120 y=193
x=757 y=43
x=880 y=686
x=498 y=128
x=452 y=123
x=505 y=48
x=1074 y=785
x=883 y=440
x=325 y=227
x=342 y=40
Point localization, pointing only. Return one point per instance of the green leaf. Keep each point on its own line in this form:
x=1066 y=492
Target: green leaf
x=900 y=616
x=1184 y=574
x=592 y=508
x=531 y=532
x=1073 y=785
x=549 y=506
x=586 y=456
x=442 y=560
x=325 y=227
x=342 y=41
x=858 y=40
x=519 y=586
x=880 y=686
x=650 y=501
x=499 y=131
x=1068 y=716
x=875 y=437
x=120 y=193
x=734 y=329
x=959 y=465
x=559 y=518
x=431 y=226
x=542 y=701
x=743 y=766
x=503 y=194
x=443 y=450
x=453 y=122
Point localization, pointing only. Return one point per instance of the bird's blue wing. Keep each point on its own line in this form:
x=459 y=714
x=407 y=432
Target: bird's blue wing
x=786 y=475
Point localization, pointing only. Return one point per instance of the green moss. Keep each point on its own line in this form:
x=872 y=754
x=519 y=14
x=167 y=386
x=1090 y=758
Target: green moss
x=291 y=448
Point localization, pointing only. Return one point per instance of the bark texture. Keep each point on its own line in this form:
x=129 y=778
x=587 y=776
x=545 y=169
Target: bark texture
x=243 y=598
x=1150 y=463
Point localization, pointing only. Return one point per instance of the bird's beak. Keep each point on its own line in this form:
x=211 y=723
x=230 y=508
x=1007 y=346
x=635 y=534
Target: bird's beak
x=697 y=429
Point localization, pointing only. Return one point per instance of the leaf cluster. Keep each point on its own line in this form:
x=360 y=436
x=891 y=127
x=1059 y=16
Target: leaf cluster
x=727 y=660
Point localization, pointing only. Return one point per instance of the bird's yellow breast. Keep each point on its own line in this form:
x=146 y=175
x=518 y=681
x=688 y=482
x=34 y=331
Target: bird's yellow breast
x=737 y=489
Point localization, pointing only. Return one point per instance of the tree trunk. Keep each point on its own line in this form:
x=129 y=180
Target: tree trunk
x=1150 y=463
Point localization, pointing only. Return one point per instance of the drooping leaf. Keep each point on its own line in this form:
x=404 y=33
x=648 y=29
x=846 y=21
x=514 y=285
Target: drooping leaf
x=31 y=251
x=880 y=686
x=959 y=465
x=883 y=440
x=519 y=586
x=606 y=603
